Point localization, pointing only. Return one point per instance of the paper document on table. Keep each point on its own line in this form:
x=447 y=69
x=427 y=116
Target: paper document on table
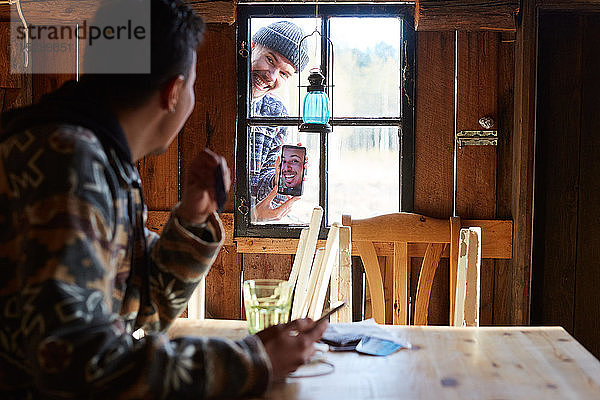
x=346 y=336
x=377 y=347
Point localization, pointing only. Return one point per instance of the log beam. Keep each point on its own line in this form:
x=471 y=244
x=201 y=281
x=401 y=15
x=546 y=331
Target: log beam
x=569 y=5
x=66 y=12
x=466 y=15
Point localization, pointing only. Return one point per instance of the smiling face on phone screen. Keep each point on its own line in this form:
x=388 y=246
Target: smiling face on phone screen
x=292 y=166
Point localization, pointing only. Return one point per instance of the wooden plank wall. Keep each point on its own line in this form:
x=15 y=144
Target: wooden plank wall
x=476 y=165
x=434 y=150
x=504 y=171
x=212 y=125
x=15 y=89
x=523 y=139
x=485 y=81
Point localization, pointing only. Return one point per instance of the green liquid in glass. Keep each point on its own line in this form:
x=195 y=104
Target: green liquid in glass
x=267 y=302
x=261 y=317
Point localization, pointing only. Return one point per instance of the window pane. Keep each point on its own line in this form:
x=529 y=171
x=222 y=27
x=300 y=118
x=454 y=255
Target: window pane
x=366 y=67
x=287 y=92
x=261 y=171
x=363 y=172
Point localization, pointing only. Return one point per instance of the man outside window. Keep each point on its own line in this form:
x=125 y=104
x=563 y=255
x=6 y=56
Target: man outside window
x=80 y=272
x=276 y=56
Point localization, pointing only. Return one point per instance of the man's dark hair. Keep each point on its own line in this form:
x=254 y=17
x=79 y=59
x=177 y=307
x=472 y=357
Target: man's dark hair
x=176 y=32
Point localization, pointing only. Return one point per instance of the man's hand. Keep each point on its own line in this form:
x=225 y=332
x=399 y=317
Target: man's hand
x=264 y=211
x=199 y=200
x=291 y=345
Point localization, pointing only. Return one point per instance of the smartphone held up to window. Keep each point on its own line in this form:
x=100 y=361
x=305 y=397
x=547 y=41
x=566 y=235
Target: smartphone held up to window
x=291 y=170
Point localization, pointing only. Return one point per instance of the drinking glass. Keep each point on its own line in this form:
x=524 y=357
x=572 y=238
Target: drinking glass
x=267 y=302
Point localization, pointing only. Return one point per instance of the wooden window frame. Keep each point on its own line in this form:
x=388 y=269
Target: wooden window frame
x=405 y=122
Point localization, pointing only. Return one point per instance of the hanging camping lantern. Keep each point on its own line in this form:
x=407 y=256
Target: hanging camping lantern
x=316 y=105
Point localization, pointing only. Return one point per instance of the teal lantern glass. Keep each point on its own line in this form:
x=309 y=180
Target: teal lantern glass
x=315 y=107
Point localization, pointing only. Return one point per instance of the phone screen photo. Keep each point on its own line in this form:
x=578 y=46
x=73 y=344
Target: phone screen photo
x=291 y=170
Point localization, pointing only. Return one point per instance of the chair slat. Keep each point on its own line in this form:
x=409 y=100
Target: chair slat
x=387 y=274
x=428 y=268
x=373 y=272
x=401 y=283
x=455 y=225
x=344 y=279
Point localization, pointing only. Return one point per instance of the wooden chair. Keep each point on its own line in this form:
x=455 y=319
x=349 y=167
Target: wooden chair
x=402 y=229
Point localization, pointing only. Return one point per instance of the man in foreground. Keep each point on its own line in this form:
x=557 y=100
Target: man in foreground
x=80 y=272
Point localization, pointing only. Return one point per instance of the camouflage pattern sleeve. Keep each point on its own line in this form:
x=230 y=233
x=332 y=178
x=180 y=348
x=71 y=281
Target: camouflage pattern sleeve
x=180 y=259
x=64 y=284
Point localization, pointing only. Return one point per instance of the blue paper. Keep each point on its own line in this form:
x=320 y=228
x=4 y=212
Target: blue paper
x=377 y=347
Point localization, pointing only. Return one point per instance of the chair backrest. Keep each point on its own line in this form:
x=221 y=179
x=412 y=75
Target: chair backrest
x=400 y=229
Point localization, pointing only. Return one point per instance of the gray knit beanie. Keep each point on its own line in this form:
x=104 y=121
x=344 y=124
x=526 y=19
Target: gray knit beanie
x=284 y=37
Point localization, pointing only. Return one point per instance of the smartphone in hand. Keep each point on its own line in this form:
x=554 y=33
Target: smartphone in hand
x=291 y=170
x=334 y=308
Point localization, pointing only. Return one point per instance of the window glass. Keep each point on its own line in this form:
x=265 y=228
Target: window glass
x=366 y=71
x=363 y=172
x=287 y=93
x=261 y=183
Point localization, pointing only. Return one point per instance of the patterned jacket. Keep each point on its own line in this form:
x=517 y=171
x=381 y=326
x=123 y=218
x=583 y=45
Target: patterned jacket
x=79 y=273
x=265 y=145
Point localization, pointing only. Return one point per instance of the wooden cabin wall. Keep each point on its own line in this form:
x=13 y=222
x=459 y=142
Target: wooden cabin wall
x=485 y=88
x=15 y=90
x=485 y=81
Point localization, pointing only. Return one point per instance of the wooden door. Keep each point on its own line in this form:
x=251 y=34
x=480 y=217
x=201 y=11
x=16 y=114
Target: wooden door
x=566 y=239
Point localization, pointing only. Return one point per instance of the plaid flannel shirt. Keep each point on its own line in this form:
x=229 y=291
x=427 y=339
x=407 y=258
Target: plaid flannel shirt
x=265 y=146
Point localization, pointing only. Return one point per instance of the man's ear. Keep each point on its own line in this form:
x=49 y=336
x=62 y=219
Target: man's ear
x=171 y=92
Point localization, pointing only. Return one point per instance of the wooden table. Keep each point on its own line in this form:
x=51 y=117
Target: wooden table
x=444 y=363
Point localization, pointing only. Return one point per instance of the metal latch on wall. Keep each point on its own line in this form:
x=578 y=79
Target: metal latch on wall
x=487 y=137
